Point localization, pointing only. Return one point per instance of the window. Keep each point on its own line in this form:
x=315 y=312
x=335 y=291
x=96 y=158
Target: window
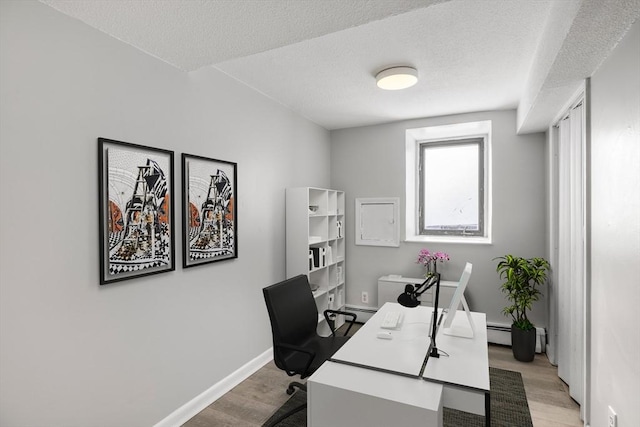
x=448 y=176
x=451 y=186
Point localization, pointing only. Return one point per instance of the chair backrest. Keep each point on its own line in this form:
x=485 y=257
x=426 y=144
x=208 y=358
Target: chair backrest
x=292 y=310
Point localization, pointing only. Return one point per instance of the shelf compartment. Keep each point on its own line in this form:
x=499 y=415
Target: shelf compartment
x=340 y=296
x=317 y=199
x=318 y=228
x=340 y=203
x=319 y=292
x=332 y=252
x=332 y=203
x=339 y=273
x=339 y=252
x=319 y=277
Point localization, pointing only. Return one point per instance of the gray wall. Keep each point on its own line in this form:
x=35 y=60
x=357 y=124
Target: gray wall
x=615 y=234
x=128 y=354
x=370 y=162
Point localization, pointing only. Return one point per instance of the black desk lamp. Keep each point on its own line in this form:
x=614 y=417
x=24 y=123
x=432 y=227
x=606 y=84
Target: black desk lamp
x=410 y=299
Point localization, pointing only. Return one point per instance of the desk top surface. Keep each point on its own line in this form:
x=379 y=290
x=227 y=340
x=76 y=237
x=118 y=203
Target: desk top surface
x=467 y=363
x=403 y=354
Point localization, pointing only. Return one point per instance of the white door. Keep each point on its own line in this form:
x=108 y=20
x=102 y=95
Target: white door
x=571 y=286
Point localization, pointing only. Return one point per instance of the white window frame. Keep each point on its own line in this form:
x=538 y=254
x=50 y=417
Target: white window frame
x=417 y=136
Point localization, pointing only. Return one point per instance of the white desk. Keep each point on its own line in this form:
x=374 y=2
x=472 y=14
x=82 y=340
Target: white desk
x=376 y=382
x=341 y=395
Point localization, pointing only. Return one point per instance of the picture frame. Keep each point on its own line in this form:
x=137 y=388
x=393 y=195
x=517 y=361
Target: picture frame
x=209 y=210
x=136 y=210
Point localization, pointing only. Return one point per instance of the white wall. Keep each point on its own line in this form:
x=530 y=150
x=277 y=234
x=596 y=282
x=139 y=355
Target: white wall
x=615 y=234
x=128 y=354
x=518 y=207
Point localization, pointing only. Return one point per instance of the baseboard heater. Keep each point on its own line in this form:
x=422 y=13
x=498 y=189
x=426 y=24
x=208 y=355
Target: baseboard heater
x=500 y=333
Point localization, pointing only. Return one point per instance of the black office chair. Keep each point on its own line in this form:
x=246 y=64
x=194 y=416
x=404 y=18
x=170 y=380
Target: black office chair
x=297 y=347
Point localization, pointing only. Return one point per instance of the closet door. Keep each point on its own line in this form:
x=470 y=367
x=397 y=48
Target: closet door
x=572 y=252
x=564 y=251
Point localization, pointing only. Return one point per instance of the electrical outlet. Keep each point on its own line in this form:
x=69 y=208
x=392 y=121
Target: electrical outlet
x=613 y=418
x=365 y=297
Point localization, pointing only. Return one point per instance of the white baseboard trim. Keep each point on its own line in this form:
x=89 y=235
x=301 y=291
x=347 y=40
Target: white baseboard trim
x=215 y=392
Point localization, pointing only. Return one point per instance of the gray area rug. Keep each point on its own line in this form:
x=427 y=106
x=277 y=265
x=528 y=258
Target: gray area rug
x=509 y=406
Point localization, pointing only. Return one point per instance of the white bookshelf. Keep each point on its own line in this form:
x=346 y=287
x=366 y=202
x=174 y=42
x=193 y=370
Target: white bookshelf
x=315 y=219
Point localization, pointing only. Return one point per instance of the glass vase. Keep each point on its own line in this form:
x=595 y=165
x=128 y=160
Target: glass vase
x=431 y=269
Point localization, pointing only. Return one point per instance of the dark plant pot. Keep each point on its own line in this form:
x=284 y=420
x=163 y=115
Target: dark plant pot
x=523 y=344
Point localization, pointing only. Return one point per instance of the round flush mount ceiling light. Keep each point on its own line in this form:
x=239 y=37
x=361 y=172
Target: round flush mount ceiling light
x=396 y=78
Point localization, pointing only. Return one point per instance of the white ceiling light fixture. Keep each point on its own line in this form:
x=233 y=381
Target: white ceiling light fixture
x=396 y=78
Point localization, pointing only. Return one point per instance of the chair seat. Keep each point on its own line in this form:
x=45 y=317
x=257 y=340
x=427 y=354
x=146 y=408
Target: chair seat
x=324 y=348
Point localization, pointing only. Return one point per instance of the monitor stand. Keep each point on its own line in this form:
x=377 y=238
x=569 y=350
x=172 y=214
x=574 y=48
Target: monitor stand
x=460 y=328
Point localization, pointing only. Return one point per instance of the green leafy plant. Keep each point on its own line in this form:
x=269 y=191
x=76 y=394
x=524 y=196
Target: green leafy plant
x=522 y=278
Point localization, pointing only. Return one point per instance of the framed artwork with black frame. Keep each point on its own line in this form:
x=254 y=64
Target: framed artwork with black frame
x=136 y=210
x=209 y=210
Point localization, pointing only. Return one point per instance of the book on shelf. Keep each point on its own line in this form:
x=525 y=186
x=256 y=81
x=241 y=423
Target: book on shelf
x=319 y=257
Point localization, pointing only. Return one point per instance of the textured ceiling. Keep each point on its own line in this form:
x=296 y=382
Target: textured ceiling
x=191 y=34
x=319 y=58
x=470 y=58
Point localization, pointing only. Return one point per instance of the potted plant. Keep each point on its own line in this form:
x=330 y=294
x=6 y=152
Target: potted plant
x=522 y=277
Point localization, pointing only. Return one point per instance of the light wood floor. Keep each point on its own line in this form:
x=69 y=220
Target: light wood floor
x=547 y=396
x=254 y=400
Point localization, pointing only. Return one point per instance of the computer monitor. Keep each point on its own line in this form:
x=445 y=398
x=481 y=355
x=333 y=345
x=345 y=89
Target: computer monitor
x=461 y=328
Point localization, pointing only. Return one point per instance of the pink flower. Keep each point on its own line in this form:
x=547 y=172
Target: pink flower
x=426 y=257
x=441 y=256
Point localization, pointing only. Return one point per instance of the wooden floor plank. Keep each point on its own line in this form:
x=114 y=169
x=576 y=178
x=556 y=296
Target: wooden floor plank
x=547 y=414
